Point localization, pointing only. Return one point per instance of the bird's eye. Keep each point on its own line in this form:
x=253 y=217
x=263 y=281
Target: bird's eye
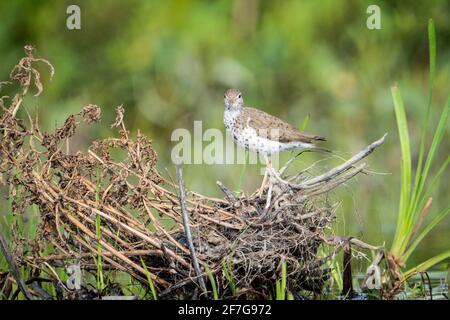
x=240 y=96
x=225 y=96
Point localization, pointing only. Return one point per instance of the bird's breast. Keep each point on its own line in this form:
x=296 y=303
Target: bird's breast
x=229 y=119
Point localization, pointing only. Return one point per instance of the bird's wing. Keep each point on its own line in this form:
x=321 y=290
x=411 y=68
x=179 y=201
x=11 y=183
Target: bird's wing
x=265 y=123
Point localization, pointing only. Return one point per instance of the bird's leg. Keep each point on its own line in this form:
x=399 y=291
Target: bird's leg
x=263 y=184
x=269 y=197
x=266 y=173
x=269 y=170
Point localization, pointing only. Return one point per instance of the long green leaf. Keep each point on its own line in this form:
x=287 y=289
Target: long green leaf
x=424 y=266
x=228 y=272
x=438 y=218
x=213 y=282
x=413 y=197
x=402 y=125
x=283 y=280
x=437 y=140
x=305 y=123
x=149 y=280
x=434 y=182
x=419 y=178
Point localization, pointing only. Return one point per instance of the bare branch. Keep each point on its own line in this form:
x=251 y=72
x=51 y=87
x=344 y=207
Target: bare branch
x=341 y=168
x=229 y=194
x=187 y=229
x=337 y=240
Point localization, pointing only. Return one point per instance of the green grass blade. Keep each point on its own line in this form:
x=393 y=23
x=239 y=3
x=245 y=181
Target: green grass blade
x=305 y=123
x=432 y=51
x=403 y=219
x=278 y=290
x=437 y=141
x=432 y=69
x=337 y=275
x=424 y=266
x=149 y=280
x=228 y=272
x=280 y=285
x=213 y=283
x=434 y=182
x=242 y=174
x=283 y=279
x=418 y=238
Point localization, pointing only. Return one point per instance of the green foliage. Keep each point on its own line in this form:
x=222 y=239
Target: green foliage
x=149 y=280
x=228 y=272
x=305 y=122
x=280 y=284
x=212 y=281
x=415 y=198
x=242 y=174
x=424 y=266
x=336 y=273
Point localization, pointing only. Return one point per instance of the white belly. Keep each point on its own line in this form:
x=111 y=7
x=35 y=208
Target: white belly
x=248 y=138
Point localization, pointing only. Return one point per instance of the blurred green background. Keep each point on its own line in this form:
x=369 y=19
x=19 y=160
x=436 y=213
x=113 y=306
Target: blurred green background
x=169 y=63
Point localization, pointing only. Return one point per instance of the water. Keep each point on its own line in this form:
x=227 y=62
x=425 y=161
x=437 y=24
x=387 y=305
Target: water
x=438 y=280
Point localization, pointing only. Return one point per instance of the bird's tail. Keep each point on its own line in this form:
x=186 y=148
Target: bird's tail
x=310 y=147
x=313 y=148
x=320 y=149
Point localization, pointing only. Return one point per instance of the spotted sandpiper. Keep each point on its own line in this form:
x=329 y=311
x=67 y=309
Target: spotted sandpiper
x=261 y=132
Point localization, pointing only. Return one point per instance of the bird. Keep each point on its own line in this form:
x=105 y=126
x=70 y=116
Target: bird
x=262 y=132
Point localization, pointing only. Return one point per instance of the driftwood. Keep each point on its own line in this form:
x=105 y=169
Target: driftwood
x=151 y=227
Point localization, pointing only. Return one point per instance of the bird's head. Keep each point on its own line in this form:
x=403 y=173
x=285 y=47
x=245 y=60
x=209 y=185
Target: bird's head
x=233 y=99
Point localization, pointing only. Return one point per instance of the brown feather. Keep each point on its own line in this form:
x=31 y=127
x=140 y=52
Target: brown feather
x=263 y=123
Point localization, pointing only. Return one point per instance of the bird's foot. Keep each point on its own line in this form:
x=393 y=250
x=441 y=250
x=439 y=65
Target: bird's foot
x=260 y=192
x=277 y=176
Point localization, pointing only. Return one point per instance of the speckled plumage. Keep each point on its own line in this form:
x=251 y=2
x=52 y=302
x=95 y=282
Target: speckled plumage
x=259 y=131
